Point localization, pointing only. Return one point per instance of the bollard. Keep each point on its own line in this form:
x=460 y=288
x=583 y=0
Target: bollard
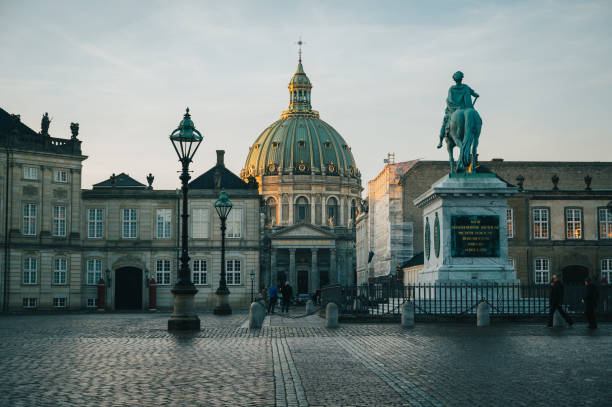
x=257 y=313
x=101 y=292
x=331 y=315
x=558 y=321
x=309 y=307
x=483 y=314
x=407 y=314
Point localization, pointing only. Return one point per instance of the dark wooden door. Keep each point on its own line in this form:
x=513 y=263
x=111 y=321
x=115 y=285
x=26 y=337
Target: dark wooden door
x=302 y=282
x=128 y=288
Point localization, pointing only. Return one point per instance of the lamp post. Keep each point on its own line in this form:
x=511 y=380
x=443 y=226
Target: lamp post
x=252 y=274
x=223 y=206
x=185 y=140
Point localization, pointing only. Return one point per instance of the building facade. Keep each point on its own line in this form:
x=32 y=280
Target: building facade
x=558 y=222
x=60 y=240
x=311 y=188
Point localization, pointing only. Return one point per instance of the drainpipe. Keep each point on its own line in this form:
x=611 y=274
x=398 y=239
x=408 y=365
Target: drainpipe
x=6 y=235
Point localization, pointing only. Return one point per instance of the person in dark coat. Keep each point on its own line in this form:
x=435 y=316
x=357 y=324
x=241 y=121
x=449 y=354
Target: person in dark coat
x=556 y=301
x=272 y=297
x=590 y=302
x=287 y=293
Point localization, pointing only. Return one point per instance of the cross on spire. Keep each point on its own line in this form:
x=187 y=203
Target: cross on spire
x=300 y=43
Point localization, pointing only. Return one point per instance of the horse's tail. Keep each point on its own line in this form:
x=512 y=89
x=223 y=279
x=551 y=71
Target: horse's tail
x=473 y=124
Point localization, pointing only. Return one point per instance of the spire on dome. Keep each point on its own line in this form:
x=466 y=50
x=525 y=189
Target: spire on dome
x=299 y=90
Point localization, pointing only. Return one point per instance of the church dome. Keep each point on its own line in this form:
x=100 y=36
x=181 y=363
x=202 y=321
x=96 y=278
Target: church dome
x=300 y=142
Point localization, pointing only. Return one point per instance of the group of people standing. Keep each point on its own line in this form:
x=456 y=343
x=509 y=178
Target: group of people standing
x=590 y=299
x=271 y=295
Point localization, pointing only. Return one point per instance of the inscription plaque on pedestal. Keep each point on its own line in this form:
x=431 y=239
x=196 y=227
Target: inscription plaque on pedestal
x=475 y=236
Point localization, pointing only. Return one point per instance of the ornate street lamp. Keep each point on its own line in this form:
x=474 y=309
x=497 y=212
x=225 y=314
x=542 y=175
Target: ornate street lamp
x=185 y=140
x=223 y=206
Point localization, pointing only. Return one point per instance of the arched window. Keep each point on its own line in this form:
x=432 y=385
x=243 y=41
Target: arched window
x=354 y=211
x=271 y=211
x=302 y=210
x=332 y=211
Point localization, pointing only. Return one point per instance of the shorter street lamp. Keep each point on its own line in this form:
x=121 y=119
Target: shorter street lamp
x=223 y=206
x=252 y=274
x=185 y=140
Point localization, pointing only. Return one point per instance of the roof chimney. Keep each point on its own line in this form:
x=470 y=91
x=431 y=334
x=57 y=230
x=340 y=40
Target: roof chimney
x=220 y=154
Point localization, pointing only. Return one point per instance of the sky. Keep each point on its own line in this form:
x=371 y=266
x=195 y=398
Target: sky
x=126 y=71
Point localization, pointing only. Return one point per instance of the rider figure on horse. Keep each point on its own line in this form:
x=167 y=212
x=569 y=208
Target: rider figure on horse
x=459 y=97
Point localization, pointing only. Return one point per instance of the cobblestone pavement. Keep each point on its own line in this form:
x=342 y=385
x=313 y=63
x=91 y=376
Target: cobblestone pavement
x=130 y=359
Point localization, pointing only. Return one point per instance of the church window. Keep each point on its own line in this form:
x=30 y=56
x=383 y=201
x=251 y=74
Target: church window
x=30 y=270
x=605 y=223
x=164 y=223
x=301 y=143
x=162 y=269
x=275 y=144
x=573 y=223
x=510 y=222
x=332 y=211
x=232 y=272
x=354 y=211
x=234 y=224
x=271 y=211
x=327 y=145
x=94 y=271
x=302 y=210
x=542 y=270
x=540 y=223
x=200 y=272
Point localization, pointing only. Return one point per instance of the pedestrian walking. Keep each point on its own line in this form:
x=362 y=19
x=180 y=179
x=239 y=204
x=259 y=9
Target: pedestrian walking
x=273 y=297
x=556 y=301
x=590 y=302
x=287 y=293
x=264 y=296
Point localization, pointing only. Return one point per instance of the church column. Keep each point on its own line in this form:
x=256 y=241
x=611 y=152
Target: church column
x=333 y=277
x=291 y=207
x=314 y=272
x=312 y=209
x=292 y=272
x=274 y=276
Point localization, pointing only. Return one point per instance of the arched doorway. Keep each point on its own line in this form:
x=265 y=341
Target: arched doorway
x=575 y=274
x=128 y=288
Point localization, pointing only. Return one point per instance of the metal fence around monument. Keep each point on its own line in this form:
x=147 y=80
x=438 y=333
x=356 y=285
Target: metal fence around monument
x=385 y=299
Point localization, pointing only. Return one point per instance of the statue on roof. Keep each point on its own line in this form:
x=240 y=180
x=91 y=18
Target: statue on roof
x=44 y=124
x=74 y=129
x=461 y=126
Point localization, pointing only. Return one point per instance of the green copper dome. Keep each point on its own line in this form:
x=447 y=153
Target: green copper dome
x=300 y=142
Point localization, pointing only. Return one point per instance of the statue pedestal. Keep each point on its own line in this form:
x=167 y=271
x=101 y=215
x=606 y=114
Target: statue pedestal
x=464 y=218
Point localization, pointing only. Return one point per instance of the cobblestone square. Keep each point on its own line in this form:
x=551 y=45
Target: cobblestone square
x=131 y=360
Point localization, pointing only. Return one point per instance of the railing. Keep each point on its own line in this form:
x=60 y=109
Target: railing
x=385 y=299
x=41 y=143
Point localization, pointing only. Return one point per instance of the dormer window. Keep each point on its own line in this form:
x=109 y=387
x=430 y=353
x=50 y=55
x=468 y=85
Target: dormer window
x=275 y=144
x=301 y=143
x=327 y=145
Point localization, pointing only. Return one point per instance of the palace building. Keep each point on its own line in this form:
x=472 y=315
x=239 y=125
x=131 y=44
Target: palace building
x=60 y=240
x=311 y=188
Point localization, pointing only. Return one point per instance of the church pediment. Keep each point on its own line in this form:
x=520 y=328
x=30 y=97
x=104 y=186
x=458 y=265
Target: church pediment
x=304 y=231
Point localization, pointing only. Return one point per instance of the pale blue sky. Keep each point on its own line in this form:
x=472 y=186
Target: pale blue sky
x=126 y=70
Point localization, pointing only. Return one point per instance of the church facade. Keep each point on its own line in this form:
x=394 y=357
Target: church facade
x=311 y=189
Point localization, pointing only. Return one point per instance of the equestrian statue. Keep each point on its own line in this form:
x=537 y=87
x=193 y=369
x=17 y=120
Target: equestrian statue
x=461 y=126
